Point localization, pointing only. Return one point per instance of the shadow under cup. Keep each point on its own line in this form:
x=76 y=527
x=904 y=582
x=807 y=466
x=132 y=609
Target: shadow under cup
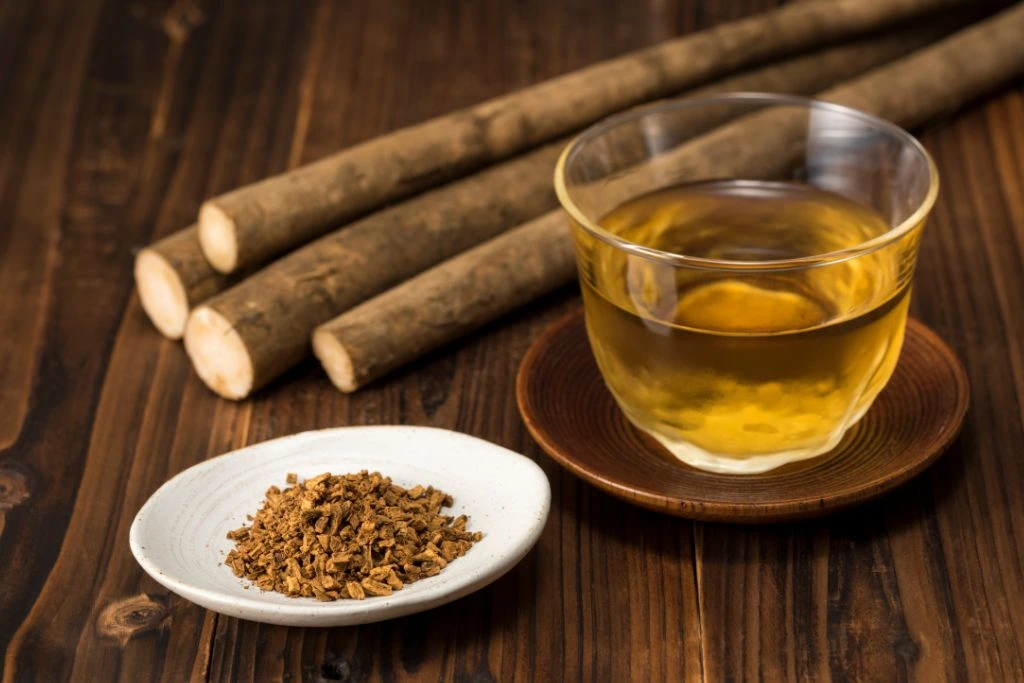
x=746 y=264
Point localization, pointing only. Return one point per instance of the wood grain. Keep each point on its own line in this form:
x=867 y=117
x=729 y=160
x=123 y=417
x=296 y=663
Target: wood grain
x=118 y=117
x=32 y=177
x=574 y=417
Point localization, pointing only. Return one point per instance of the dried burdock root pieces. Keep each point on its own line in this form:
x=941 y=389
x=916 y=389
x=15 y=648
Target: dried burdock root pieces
x=350 y=536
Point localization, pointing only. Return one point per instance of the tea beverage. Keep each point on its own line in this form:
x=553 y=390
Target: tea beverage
x=751 y=367
x=746 y=285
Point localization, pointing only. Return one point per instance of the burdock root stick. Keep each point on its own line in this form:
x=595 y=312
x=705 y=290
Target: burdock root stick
x=479 y=286
x=250 y=334
x=172 y=276
x=446 y=302
x=259 y=221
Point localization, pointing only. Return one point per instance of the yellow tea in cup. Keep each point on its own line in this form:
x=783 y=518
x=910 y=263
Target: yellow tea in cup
x=748 y=323
x=773 y=364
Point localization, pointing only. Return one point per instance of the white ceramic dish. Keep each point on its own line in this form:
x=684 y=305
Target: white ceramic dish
x=179 y=534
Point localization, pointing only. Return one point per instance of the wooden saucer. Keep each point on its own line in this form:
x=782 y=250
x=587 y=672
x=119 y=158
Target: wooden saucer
x=574 y=418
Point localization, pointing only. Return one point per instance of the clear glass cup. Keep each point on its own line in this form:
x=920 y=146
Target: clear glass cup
x=746 y=264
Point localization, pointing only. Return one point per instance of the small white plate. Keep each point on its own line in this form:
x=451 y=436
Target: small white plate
x=179 y=535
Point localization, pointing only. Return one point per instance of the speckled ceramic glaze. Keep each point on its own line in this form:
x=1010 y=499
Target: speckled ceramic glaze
x=179 y=534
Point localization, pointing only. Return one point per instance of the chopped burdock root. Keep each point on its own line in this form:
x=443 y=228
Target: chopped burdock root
x=336 y=537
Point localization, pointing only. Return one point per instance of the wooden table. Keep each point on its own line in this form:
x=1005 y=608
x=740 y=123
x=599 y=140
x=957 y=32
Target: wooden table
x=118 y=117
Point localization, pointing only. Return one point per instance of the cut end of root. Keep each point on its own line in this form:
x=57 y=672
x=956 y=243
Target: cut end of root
x=336 y=360
x=162 y=293
x=218 y=354
x=217 y=237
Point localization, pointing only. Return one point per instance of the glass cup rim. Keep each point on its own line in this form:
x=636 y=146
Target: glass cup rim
x=891 y=235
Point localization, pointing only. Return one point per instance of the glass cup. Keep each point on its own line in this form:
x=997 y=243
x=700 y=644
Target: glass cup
x=746 y=264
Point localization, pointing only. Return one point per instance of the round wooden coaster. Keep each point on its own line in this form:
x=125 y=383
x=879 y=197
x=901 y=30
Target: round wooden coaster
x=574 y=418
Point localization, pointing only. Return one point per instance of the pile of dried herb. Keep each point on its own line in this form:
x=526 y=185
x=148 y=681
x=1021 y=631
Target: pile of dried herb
x=347 y=536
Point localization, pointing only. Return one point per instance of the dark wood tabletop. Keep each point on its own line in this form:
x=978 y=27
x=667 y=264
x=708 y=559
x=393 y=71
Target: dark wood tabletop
x=118 y=117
